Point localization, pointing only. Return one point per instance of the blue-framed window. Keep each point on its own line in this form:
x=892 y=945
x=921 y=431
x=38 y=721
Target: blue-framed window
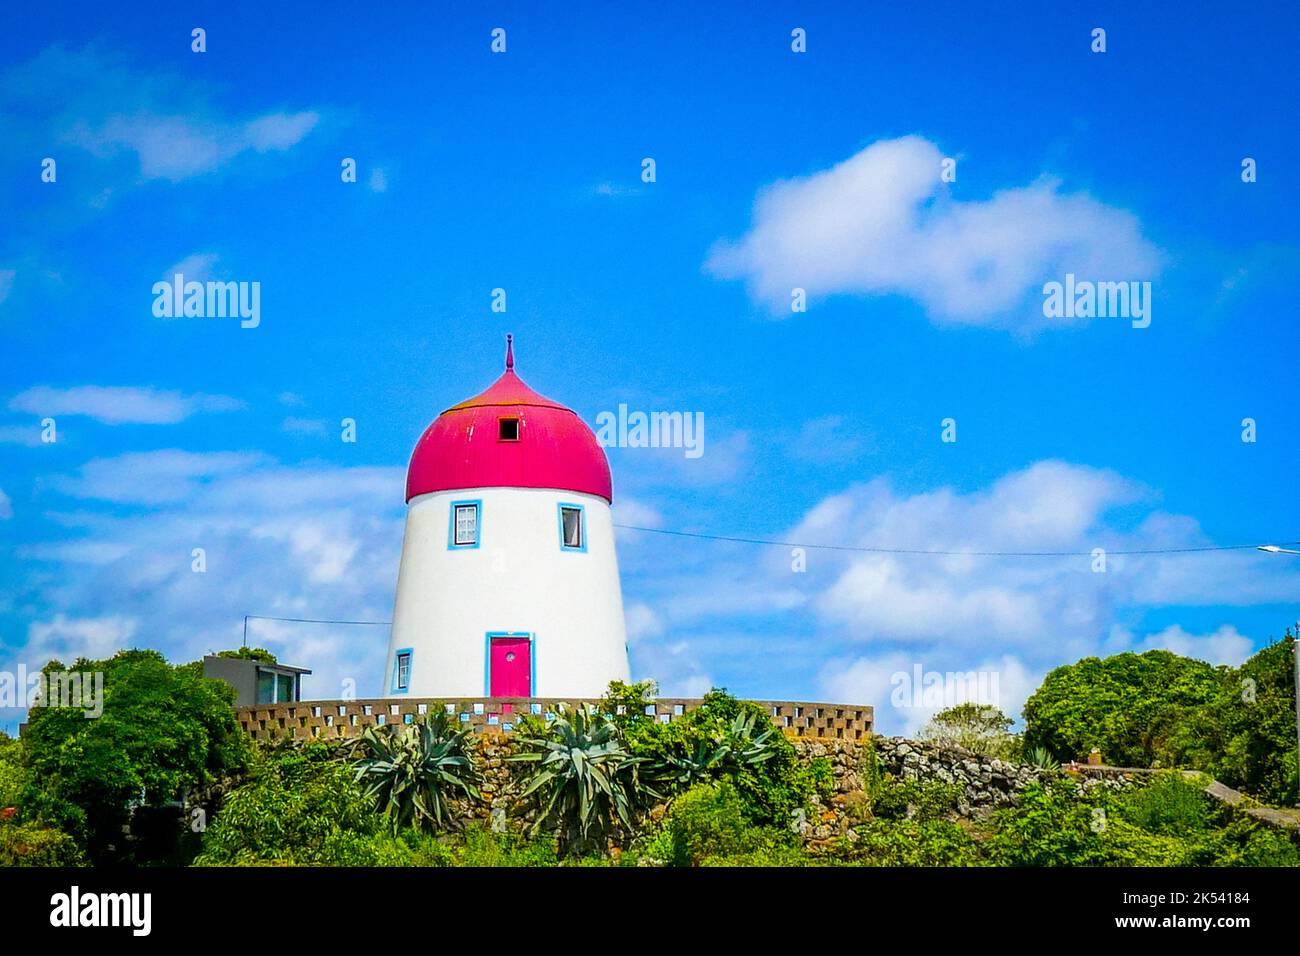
x=465 y=525
x=573 y=527
x=402 y=670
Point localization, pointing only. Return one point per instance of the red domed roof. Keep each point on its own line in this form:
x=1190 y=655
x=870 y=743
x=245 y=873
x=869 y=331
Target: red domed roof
x=465 y=446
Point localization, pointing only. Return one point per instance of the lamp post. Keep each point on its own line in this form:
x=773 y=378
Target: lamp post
x=1295 y=647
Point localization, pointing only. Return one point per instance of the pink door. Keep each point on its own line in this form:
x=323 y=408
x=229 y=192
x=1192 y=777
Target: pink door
x=512 y=667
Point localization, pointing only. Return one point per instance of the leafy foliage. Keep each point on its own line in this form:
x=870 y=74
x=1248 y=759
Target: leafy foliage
x=915 y=842
x=1128 y=706
x=298 y=805
x=914 y=799
x=979 y=728
x=1245 y=735
x=30 y=844
x=163 y=730
x=411 y=771
x=722 y=739
x=585 y=782
x=12 y=775
x=259 y=654
x=706 y=826
x=1169 y=805
x=1159 y=709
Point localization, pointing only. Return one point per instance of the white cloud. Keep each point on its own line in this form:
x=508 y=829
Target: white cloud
x=66 y=638
x=296 y=425
x=29 y=435
x=829 y=438
x=735 y=611
x=721 y=461
x=887 y=682
x=1019 y=601
x=1224 y=646
x=177 y=147
x=154 y=477
x=119 y=405
x=883 y=223
x=642 y=622
x=99 y=101
x=312 y=540
x=639 y=514
x=195 y=268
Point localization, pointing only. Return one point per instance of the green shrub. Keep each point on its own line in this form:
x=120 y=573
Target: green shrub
x=706 y=826
x=298 y=805
x=1246 y=842
x=914 y=799
x=1051 y=826
x=30 y=844
x=12 y=776
x=1159 y=709
x=1169 y=805
x=911 y=843
x=1057 y=824
x=723 y=739
x=479 y=847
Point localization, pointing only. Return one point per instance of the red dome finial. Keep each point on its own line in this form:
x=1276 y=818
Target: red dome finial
x=510 y=352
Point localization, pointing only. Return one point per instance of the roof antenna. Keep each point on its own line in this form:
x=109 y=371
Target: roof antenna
x=510 y=352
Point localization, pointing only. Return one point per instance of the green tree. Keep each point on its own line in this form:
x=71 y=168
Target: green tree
x=259 y=654
x=1245 y=735
x=980 y=728
x=163 y=730
x=1128 y=706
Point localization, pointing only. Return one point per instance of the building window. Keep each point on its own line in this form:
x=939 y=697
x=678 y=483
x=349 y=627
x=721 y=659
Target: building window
x=464 y=524
x=266 y=687
x=285 y=690
x=402 y=671
x=573 y=531
x=507 y=429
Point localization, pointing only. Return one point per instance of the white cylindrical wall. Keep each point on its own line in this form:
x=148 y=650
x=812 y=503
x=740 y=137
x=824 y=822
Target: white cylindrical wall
x=519 y=579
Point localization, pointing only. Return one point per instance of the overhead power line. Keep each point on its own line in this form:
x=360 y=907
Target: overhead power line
x=304 y=620
x=934 y=552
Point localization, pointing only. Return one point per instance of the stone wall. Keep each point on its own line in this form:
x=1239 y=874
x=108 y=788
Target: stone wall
x=986 y=783
x=342 y=719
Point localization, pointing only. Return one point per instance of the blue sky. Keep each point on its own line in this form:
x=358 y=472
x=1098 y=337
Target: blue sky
x=774 y=169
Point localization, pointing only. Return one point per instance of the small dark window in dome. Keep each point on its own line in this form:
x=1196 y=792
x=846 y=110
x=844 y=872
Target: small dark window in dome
x=507 y=429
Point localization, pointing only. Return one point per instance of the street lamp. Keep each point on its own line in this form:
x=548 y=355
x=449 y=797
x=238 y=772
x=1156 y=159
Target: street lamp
x=1295 y=644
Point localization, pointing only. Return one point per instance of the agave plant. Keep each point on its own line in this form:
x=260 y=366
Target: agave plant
x=684 y=771
x=411 y=771
x=584 y=782
x=744 y=743
x=747 y=742
x=1042 y=758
